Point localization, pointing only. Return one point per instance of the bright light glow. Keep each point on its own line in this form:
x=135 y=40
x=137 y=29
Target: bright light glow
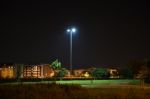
x=73 y=30
x=68 y=30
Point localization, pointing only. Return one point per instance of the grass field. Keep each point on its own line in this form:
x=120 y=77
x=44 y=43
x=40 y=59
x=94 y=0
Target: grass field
x=69 y=91
x=100 y=82
x=85 y=82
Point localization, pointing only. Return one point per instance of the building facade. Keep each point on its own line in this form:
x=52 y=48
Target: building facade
x=26 y=71
x=7 y=71
x=44 y=71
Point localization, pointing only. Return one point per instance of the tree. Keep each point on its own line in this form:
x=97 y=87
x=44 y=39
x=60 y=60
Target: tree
x=140 y=69
x=62 y=73
x=56 y=64
x=100 y=73
x=147 y=77
x=19 y=70
x=135 y=66
x=126 y=73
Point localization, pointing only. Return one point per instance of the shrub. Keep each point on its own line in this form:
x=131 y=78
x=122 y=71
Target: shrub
x=126 y=73
x=100 y=73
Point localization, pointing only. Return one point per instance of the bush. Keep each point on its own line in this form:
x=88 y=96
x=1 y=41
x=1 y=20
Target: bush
x=62 y=73
x=100 y=73
x=147 y=78
x=126 y=73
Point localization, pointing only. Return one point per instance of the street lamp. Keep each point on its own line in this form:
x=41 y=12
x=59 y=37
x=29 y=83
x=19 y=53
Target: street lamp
x=71 y=31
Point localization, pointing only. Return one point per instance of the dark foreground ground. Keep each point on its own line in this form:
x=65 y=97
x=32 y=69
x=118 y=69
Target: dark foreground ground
x=63 y=91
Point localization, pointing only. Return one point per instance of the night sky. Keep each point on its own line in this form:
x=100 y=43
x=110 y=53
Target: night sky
x=108 y=33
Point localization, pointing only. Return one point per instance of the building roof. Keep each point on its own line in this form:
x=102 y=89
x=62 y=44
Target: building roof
x=6 y=64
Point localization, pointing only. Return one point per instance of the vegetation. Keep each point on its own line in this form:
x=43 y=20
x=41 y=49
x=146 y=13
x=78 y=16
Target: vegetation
x=126 y=73
x=135 y=65
x=140 y=69
x=100 y=73
x=56 y=64
x=19 y=69
x=147 y=78
x=62 y=73
x=73 y=81
x=58 y=91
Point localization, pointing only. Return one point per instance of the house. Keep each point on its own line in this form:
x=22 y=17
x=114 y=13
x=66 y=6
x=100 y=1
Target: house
x=113 y=72
x=26 y=71
x=32 y=71
x=38 y=71
x=78 y=72
x=45 y=71
x=82 y=73
x=7 y=71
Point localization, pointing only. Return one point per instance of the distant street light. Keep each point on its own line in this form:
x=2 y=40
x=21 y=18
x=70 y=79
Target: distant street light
x=71 y=31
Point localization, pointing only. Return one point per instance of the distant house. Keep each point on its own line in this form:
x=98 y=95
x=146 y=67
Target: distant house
x=26 y=71
x=113 y=72
x=82 y=73
x=78 y=72
x=45 y=71
x=7 y=71
x=48 y=71
x=34 y=71
x=38 y=71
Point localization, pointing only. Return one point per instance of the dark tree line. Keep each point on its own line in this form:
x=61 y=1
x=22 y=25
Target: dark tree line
x=139 y=69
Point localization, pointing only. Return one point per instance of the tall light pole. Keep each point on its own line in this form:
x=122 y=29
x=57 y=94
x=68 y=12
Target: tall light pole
x=71 y=31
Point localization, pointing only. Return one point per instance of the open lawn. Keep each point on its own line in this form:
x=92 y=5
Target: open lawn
x=85 y=82
x=69 y=91
x=101 y=82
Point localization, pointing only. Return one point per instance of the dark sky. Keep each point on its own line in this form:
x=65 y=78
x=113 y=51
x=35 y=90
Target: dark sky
x=108 y=33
